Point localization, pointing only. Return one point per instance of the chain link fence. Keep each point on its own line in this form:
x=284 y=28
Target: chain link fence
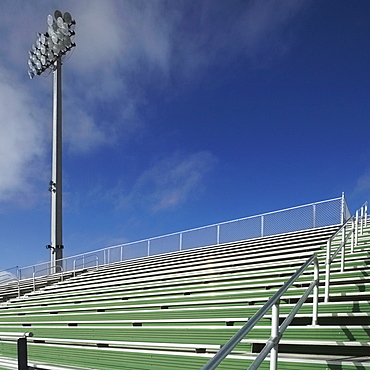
x=309 y=216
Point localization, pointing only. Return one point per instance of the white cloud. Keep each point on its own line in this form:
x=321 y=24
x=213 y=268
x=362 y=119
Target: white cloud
x=22 y=138
x=82 y=133
x=122 y=48
x=363 y=184
x=170 y=181
x=121 y=44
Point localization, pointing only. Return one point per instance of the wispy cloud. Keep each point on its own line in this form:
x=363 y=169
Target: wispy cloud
x=83 y=133
x=22 y=139
x=170 y=181
x=363 y=184
x=124 y=47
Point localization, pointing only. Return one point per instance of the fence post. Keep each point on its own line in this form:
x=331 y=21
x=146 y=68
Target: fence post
x=218 y=234
x=342 y=209
x=18 y=275
x=148 y=252
x=314 y=215
x=180 y=246
x=262 y=225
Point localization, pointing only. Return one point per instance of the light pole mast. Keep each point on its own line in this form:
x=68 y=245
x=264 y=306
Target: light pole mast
x=47 y=53
x=56 y=184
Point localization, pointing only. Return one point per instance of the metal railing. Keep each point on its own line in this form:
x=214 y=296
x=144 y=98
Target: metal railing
x=276 y=330
x=351 y=229
x=10 y=276
x=84 y=263
x=355 y=224
x=34 y=278
x=313 y=215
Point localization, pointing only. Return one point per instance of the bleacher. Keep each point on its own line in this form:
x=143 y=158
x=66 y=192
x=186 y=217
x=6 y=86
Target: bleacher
x=176 y=310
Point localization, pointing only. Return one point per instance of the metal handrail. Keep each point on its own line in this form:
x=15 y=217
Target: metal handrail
x=276 y=330
x=83 y=261
x=7 y=277
x=46 y=268
x=10 y=277
x=359 y=218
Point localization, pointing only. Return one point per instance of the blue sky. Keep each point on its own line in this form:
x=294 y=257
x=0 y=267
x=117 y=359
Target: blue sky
x=179 y=114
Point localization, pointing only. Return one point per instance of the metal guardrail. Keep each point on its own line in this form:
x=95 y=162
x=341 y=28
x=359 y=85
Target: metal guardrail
x=276 y=330
x=60 y=268
x=356 y=224
x=350 y=230
x=313 y=215
x=84 y=263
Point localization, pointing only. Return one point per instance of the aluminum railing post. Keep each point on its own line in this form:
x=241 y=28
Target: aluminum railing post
x=262 y=225
x=180 y=246
x=356 y=229
x=352 y=235
x=74 y=268
x=343 y=255
x=327 y=271
x=33 y=281
x=274 y=334
x=366 y=214
x=18 y=275
x=362 y=220
x=315 y=306
x=342 y=220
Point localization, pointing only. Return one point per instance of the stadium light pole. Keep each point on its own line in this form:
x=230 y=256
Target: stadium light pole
x=47 y=53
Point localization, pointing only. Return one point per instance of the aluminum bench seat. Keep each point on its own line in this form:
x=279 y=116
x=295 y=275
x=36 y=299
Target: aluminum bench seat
x=165 y=267
x=222 y=250
x=37 y=301
x=191 y=270
x=55 y=305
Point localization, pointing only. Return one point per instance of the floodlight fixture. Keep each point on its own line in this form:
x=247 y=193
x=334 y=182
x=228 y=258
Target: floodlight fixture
x=52 y=45
x=47 y=53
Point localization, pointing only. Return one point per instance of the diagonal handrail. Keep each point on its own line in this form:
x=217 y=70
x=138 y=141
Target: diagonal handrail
x=355 y=225
x=276 y=331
